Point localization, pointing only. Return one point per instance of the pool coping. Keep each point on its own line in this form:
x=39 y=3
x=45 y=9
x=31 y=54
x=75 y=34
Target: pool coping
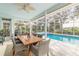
x=63 y=34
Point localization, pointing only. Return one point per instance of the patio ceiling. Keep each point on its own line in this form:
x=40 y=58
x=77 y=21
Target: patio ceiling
x=11 y=10
x=51 y=9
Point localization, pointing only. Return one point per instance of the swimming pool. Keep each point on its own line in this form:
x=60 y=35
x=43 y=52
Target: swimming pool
x=64 y=38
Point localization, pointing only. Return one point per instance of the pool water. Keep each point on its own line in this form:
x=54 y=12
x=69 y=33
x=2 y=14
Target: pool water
x=64 y=38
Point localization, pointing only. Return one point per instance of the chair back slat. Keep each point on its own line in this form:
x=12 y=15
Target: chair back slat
x=14 y=43
x=41 y=49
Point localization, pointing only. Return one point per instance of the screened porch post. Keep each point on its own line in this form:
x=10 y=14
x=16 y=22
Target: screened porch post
x=74 y=25
x=45 y=24
x=37 y=27
x=54 y=25
x=61 y=26
x=12 y=29
x=30 y=29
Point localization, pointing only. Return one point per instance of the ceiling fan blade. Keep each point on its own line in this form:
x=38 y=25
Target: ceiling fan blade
x=27 y=10
x=31 y=7
x=25 y=6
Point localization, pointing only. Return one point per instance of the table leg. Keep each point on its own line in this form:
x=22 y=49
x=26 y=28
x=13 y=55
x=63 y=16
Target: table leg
x=29 y=52
x=13 y=50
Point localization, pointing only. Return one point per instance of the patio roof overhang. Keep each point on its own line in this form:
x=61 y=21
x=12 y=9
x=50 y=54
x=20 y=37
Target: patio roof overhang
x=12 y=11
x=51 y=9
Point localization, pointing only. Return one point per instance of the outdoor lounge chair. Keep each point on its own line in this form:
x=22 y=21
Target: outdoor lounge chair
x=42 y=49
x=18 y=47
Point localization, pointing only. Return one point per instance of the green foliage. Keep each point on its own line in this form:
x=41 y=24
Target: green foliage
x=1 y=32
x=4 y=32
x=71 y=30
x=23 y=29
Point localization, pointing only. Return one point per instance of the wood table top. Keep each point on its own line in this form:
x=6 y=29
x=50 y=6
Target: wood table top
x=27 y=41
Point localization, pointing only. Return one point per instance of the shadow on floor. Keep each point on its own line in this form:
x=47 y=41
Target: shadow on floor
x=8 y=52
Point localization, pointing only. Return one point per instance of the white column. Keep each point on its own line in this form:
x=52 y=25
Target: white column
x=12 y=28
x=41 y=28
x=1 y=24
x=54 y=25
x=61 y=26
x=20 y=29
x=72 y=14
x=74 y=25
x=36 y=26
x=30 y=29
x=45 y=24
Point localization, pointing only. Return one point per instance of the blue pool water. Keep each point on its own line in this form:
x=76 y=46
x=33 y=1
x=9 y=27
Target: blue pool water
x=65 y=38
x=62 y=37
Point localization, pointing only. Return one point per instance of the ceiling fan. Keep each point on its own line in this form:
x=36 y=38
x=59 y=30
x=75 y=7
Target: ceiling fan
x=25 y=6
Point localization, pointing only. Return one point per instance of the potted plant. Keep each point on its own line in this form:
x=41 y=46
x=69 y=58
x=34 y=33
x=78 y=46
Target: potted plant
x=2 y=38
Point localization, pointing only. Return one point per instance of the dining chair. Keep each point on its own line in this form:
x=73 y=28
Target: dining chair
x=18 y=47
x=17 y=41
x=42 y=49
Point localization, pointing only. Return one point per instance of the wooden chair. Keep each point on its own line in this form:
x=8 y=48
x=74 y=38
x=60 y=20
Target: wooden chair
x=18 y=47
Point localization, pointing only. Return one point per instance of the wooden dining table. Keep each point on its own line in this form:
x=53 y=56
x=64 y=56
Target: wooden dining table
x=29 y=41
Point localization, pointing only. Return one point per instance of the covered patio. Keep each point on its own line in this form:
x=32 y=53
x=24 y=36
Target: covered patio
x=31 y=26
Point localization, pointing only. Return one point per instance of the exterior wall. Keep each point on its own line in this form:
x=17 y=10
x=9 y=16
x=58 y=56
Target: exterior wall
x=1 y=24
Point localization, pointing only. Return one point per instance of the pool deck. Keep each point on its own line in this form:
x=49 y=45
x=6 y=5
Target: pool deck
x=59 y=48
